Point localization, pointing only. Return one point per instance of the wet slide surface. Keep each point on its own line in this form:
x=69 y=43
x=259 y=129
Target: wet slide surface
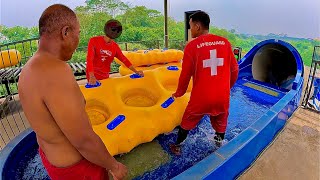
x=249 y=101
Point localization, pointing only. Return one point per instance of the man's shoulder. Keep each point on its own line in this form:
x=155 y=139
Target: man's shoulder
x=61 y=68
x=57 y=72
x=219 y=38
x=113 y=43
x=210 y=38
x=191 y=44
x=43 y=69
x=45 y=64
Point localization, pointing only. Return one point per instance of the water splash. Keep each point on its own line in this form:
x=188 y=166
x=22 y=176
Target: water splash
x=246 y=106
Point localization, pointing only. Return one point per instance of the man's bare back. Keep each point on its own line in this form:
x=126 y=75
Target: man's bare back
x=40 y=82
x=55 y=107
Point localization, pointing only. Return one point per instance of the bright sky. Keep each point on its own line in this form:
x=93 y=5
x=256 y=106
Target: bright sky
x=298 y=18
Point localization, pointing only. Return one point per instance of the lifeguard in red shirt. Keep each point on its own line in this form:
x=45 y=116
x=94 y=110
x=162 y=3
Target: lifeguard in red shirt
x=101 y=53
x=210 y=62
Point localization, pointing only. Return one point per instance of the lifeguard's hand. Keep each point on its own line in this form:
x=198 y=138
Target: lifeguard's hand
x=140 y=73
x=120 y=172
x=92 y=80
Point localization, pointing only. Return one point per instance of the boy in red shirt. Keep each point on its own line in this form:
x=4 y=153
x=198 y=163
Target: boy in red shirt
x=101 y=52
x=210 y=62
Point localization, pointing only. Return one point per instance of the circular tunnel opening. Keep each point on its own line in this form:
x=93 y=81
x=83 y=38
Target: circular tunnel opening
x=276 y=65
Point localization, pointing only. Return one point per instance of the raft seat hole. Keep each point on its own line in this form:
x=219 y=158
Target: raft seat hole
x=97 y=112
x=140 y=98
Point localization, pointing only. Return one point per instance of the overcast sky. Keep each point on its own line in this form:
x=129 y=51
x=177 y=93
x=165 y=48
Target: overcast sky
x=298 y=18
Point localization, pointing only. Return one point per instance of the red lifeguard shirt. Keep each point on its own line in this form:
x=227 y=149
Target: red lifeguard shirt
x=100 y=55
x=209 y=60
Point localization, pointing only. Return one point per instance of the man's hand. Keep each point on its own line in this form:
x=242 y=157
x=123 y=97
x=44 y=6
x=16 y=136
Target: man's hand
x=119 y=172
x=92 y=80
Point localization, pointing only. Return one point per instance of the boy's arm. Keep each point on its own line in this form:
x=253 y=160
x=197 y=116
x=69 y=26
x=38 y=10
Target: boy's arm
x=90 y=57
x=122 y=57
x=186 y=73
x=126 y=61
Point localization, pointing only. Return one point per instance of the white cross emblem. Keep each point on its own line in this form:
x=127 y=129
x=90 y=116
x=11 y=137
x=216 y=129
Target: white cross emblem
x=213 y=62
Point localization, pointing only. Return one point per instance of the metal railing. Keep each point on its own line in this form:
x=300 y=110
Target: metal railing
x=26 y=47
x=311 y=97
x=12 y=118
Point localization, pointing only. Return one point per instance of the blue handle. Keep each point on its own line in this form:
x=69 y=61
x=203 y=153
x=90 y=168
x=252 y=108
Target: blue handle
x=116 y=121
x=135 y=76
x=173 y=68
x=93 y=86
x=168 y=102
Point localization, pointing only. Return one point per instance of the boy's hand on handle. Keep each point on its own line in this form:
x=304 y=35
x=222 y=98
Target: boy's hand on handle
x=92 y=80
x=119 y=172
x=140 y=73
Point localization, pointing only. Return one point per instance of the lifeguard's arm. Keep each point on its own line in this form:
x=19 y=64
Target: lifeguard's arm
x=186 y=73
x=90 y=57
x=65 y=102
x=234 y=68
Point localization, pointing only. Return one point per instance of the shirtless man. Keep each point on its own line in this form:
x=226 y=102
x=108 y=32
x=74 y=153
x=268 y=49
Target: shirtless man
x=55 y=106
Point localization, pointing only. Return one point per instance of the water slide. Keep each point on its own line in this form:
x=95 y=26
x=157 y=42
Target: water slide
x=266 y=94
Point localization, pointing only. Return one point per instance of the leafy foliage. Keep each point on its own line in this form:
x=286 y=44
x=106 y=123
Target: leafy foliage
x=144 y=25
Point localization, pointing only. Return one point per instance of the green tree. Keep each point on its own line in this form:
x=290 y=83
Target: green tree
x=19 y=33
x=91 y=24
x=111 y=7
x=140 y=16
x=140 y=24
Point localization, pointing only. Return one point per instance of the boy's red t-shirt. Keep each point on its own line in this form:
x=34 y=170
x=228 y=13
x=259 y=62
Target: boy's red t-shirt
x=209 y=60
x=100 y=55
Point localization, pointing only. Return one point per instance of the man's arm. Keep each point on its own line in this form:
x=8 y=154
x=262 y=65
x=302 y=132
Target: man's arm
x=234 y=68
x=65 y=102
x=186 y=73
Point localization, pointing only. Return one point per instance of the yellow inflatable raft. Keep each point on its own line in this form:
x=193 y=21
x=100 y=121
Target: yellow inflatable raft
x=123 y=70
x=9 y=58
x=150 y=59
x=127 y=111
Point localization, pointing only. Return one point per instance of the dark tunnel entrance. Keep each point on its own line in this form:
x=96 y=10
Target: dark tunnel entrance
x=274 y=64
